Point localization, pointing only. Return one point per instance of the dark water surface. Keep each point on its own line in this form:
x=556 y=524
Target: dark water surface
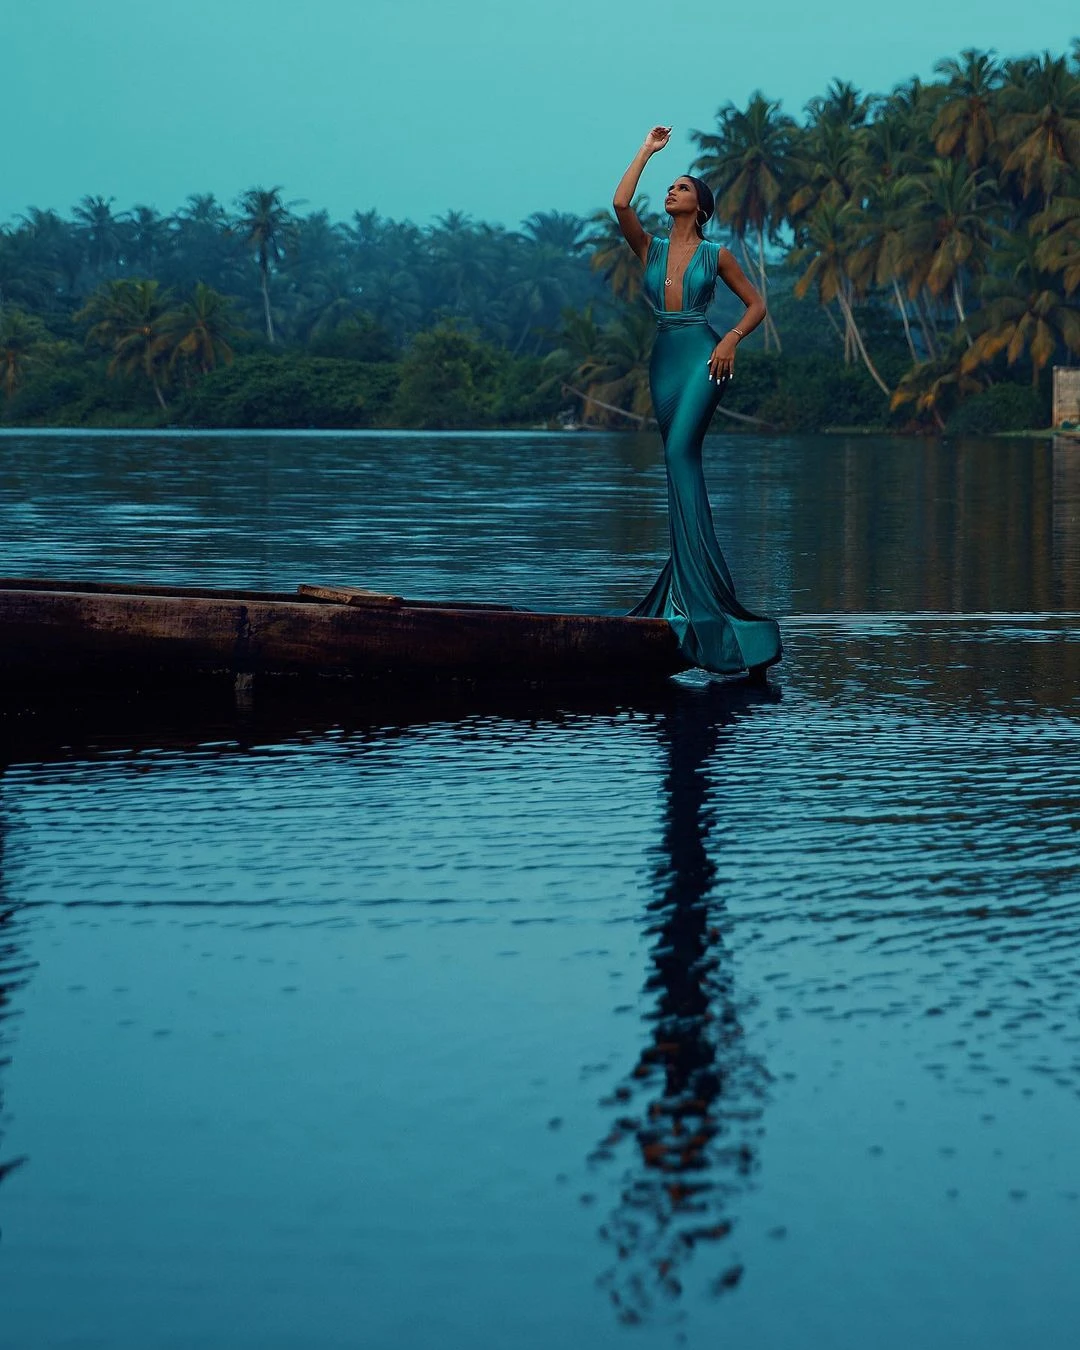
x=716 y=1017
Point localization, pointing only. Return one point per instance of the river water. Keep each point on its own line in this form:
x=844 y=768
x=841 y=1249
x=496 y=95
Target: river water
x=704 y=1016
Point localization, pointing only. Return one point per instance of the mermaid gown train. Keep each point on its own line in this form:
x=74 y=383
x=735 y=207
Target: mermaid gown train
x=694 y=590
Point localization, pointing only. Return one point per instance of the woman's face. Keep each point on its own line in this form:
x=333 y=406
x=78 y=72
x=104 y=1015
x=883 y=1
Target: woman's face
x=681 y=199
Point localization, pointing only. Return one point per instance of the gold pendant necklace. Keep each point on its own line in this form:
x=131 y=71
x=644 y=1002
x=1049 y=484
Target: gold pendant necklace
x=686 y=258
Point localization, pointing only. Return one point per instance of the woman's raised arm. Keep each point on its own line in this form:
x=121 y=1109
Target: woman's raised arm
x=631 y=227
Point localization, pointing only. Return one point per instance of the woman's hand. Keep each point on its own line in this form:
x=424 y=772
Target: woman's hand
x=657 y=139
x=722 y=362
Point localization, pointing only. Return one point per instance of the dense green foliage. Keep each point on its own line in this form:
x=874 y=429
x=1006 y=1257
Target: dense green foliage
x=301 y=391
x=1003 y=407
x=919 y=252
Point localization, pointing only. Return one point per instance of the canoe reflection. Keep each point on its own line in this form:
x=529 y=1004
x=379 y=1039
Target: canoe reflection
x=689 y=1112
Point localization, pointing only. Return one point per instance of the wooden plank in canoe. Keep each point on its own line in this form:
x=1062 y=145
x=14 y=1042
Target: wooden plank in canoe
x=359 y=595
x=349 y=595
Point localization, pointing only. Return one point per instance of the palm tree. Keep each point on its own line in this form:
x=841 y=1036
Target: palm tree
x=608 y=366
x=1058 y=249
x=461 y=260
x=880 y=239
x=393 y=291
x=388 y=257
x=204 y=247
x=935 y=386
x=148 y=236
x=828 y=234
x=949 y=235
x=1023 y=312
x=321 y=298
x=204 y=209
x=825 y=166
x=964 y=124
x=323 y=284
x=745 y=163
x=26 y=277
x=610 y=254
x=579 y=338
x=537 y=290
x=1040 y=124
x=825 y=159
x=560 y=230
x=621 y=375
x=102 y=231
x=21 y=339
x=199 y=332
x=915 y=106
x=54 y=243
x=841 y=104
x=316 y=243
x=889 y=147
x=265 y=225
x=131 y=319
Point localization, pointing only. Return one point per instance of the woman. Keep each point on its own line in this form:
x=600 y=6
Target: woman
x=690 y=369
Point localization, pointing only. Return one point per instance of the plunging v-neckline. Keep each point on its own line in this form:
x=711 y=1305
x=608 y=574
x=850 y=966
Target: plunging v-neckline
x=682 y=280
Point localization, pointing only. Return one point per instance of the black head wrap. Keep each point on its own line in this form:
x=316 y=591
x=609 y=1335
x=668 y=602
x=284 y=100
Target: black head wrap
x=705 y=202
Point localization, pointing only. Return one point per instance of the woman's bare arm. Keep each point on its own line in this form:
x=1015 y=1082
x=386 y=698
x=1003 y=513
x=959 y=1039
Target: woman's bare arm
x=631 y=227
x=722 y=361
x=735 y=279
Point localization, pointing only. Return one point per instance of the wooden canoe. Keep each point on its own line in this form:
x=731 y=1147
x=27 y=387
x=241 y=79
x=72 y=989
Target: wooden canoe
x=58 y=631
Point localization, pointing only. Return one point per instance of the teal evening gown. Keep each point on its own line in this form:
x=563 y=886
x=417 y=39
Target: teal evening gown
x=694 y=591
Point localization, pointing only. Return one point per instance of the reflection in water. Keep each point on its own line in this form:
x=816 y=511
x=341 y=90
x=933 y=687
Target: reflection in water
x=692 y=1104
x=12 y=977
x=809 y=524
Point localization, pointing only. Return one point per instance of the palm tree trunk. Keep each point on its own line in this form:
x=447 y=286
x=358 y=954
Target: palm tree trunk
x=157 y=390
x=608 y=407
x=903 y=314
x=930 y=303
x=960 y=309
x=769 y=321
x=857 y=336
x=266 y=302
x=920 y=310
x=835 y=326
x=847 y=329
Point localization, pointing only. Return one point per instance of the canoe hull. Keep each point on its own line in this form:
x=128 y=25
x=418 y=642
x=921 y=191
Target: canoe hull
x=99 y=633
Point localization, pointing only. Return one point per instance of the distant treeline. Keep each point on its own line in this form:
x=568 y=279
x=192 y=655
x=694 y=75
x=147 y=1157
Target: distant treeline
x=919 y=252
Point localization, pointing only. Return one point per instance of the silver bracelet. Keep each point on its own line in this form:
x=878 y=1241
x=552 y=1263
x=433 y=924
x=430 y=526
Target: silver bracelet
x=737 y=330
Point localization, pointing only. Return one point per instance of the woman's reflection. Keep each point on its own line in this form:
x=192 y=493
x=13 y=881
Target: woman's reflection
x=691 y=1107
x=12 y=977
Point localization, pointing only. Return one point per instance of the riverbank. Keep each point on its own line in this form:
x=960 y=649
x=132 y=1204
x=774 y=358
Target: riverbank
x=451 y=381
x=535 y=428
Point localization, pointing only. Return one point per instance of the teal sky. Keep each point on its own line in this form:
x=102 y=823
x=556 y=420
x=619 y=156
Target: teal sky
x=416 y=106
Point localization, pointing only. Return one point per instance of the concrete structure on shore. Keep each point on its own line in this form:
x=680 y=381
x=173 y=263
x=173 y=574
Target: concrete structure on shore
x=1066 y=396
